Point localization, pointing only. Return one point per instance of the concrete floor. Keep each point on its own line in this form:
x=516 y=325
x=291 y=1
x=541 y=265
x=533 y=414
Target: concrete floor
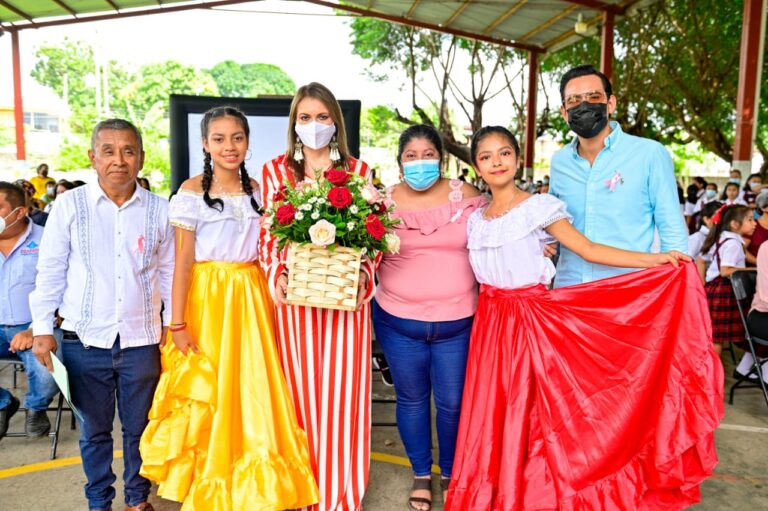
x=740 y=482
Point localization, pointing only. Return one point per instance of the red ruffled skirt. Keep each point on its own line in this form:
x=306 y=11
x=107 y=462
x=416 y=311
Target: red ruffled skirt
x=599 y=396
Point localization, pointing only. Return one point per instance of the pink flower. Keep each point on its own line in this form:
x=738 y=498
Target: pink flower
x=455 y=196
x=370 y=193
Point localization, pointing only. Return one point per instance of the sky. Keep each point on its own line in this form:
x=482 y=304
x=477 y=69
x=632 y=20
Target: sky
x=307 y=41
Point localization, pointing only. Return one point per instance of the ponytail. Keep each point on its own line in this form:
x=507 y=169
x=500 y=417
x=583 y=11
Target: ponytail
x=245 y=181
x=207 y=178
x=721 y=221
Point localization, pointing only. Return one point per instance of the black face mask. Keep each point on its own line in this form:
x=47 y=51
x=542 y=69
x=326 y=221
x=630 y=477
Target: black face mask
x=588 y=119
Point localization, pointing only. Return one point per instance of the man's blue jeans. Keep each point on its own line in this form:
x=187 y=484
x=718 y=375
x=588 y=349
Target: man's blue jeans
x=42 y=388
x=97 y=376
x=424 y=358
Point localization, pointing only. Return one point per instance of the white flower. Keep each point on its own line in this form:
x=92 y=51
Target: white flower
x=370 y=193
x=350 y=226
x=354 y=209
x=306 y=207
x=392 y=241
x=312 y=200
x=322 y=200
x=299 y=215
x=322 y=233
x=315 y=215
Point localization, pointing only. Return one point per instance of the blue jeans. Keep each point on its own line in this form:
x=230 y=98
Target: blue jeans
x=96 y=377
x=425 y=357
x=42 y=387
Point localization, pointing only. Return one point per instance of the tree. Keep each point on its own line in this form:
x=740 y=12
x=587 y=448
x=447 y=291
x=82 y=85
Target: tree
x=156 y=82
x=430 y=61
x=675 y=75
x=250 y=80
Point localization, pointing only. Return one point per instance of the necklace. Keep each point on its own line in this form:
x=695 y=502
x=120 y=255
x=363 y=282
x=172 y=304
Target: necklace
x=236 y=203
x=512 y=204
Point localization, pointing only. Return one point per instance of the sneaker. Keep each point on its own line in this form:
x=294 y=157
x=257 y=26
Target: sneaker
x=380 y=363
x=6 y=414
x=37 y=424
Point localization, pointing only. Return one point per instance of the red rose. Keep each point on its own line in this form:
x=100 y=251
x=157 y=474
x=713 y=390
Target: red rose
x=279 y=195
x=374 y=227
x=285 y=214
x=337 y=177
x=379 y=208
x=339 y=197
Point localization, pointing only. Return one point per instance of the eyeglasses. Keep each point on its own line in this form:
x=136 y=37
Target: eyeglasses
x=593 y=96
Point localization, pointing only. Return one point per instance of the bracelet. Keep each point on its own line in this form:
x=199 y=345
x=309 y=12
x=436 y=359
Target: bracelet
x=177 y=327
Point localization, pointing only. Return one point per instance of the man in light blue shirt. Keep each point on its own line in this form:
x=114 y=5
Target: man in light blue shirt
x=619 y=188
x=19 y=246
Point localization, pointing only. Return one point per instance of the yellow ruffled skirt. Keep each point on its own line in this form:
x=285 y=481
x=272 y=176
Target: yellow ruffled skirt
x=222 y=431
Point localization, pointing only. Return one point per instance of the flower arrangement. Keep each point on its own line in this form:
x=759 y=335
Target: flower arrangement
x=340 y=209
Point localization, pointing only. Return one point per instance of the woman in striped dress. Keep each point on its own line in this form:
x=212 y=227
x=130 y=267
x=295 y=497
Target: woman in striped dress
x=325 y=353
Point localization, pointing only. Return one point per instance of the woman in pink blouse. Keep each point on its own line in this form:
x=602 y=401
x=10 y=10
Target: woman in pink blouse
x=757 y=320
x=425 y=302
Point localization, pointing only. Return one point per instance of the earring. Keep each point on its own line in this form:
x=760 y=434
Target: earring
x=248 y=155
x=298 y=154
x=335 y=154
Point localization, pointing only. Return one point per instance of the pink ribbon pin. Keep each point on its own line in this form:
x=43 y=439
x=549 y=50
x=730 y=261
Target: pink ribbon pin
x=141 y=244
x=615 y=179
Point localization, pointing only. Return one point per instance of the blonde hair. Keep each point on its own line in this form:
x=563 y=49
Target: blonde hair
x=322 y=93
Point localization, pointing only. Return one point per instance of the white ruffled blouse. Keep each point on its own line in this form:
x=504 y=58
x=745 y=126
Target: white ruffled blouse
x=508 y=251
x=231 y=235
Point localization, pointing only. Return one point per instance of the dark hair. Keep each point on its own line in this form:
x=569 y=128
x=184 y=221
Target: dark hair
x=584 y=70
x=119 y=125
x=731 y=213
x=419 y=131
x=491 y=130
x=710 y=209
x=245 y=180
x=14 y=194
x=40 y=167
x=746 y=183
x=735 y=170
x=725 y=189
x=701 y=181
x=77 y=183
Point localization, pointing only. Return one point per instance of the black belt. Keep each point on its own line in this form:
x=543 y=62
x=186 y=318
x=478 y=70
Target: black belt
x=69 y=336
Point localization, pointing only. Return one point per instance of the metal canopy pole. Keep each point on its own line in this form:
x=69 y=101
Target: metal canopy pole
x=18 y=111
x=752 y=44
x=606 y=50
x=530 y=115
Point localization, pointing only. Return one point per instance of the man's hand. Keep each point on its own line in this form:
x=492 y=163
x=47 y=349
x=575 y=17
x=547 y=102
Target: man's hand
x=42 y=347
x=163 y=336
x=22 y=341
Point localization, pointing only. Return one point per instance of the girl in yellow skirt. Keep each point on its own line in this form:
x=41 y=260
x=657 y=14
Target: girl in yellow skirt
x=223 y=433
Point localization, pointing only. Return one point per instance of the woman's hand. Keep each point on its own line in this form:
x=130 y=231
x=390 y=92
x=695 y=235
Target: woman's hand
x=183 y=340
x=362 y=289
x=672 y=257
x=281 y=289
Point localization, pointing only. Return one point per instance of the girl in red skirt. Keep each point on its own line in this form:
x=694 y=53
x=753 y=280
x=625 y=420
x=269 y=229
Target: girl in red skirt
x=724 y=249
x=599 y=396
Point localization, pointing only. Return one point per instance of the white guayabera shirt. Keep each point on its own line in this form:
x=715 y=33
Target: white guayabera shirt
x=107 y=269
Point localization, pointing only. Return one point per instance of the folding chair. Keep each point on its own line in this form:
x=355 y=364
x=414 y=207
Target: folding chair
x=53 y=434
x=743 y=283
x=376 y=350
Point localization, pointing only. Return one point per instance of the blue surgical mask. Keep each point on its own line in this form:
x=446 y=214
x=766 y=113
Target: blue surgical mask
x=711 y=194
x=735 y=180
x=421 y=174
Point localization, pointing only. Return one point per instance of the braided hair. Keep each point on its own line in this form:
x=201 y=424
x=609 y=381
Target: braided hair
x=245 y=180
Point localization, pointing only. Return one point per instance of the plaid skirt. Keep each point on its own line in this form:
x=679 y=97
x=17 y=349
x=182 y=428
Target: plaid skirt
x=726 y=321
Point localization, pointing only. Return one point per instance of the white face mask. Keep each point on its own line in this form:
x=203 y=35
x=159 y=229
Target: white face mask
x=315 y=135
x=3 y=225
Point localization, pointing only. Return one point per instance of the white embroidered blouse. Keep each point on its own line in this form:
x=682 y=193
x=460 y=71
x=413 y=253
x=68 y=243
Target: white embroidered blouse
x=508 y=251
x=231 y=235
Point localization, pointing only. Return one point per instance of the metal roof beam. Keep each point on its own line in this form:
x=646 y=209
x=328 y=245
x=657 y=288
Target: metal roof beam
x=512 y=10
x=600 y=6
x=64 y=6
x=456 y=13
x=562 y=37
x=413 y=8
x=16 y=11
x=129 y=14
x=549 y=23
x=430 y=26
x=112 y=4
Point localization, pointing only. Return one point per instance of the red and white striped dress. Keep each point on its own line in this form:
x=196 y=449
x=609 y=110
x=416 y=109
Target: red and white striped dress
x=327 y=363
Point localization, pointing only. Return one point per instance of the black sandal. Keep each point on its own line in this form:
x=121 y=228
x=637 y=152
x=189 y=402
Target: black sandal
x=420 y=483
x=445 y=482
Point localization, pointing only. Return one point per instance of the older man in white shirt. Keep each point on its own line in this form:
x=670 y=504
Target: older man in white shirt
x=106 y=265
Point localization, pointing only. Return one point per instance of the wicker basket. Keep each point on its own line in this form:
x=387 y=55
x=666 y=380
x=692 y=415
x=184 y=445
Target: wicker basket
x=318 y=277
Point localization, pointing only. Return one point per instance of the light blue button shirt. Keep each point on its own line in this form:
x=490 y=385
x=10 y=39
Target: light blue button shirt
x=17 y=277
x=628 y=193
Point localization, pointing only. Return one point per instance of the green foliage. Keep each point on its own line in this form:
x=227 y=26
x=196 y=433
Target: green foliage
x=250 y=80
x=73 y=153
x=379 y=127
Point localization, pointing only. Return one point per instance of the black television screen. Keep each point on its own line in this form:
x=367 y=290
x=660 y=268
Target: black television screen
x=267 y=119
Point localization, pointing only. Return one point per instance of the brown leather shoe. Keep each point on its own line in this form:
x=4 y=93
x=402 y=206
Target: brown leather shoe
x=144 y=506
